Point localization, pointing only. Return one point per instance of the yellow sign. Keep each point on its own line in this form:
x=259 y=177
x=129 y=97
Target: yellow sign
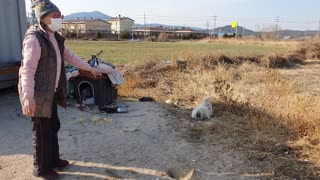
x=234 y=24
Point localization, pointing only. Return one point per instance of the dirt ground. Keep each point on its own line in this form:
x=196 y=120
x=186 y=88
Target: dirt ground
x=146 y=143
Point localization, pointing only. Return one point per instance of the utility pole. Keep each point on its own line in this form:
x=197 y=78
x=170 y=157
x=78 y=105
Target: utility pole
x=133 y=31
x=277 y=19
x=174 y=32
x=237 y=29
x=144 y=32
x=208 y=26
x=318 y=32
x=305 y=31
x=215 y=25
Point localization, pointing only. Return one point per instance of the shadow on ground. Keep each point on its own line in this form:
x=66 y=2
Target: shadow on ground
x=241 y=127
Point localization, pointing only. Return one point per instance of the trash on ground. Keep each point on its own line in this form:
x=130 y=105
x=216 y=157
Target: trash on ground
x=120 y=108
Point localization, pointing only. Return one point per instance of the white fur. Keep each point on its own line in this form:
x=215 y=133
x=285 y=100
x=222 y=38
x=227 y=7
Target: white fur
x=203 y=111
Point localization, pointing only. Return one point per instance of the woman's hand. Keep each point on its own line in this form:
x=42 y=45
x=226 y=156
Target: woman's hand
x=29 y=107
x=95 y=73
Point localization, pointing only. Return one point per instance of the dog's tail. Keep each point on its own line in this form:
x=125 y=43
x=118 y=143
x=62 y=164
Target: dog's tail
x=206 y=99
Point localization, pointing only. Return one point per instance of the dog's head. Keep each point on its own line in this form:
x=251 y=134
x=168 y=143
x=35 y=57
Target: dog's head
x=198 y=115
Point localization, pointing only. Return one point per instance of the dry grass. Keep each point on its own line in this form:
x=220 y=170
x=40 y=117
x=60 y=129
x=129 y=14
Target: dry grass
x=267 y=113
x=309 y=50
x=289 y=44
x=123 y=52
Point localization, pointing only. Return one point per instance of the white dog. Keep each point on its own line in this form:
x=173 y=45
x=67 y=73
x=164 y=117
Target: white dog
x=203 y=111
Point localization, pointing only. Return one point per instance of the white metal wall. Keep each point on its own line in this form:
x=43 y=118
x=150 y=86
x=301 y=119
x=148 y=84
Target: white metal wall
x=13 y=25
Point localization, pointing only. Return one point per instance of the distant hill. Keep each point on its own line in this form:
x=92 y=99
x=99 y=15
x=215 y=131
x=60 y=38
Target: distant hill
x=296 y=33
x=88 y=15
x=229 y=29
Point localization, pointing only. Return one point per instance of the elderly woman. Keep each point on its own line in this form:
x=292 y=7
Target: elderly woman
x=42 y=84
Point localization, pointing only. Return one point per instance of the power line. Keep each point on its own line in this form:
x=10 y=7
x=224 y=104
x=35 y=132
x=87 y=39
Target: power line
x=226 y=19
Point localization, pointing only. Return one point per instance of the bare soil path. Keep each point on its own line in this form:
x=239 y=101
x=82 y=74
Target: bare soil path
x=146 y=143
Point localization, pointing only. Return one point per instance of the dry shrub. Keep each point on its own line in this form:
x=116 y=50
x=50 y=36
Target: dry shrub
x=246 y=59
x=274 y=61
x=286 y=115
x=212 y=60
x=295 y=58
x=129 y=88
x=309 y=50
x=146 y=84
x=285 y=44
x=163 y=37
x=281 y=60
x=189 y=56
x=151 y=39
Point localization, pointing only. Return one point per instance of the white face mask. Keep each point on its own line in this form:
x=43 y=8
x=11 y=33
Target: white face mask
x=55 y=24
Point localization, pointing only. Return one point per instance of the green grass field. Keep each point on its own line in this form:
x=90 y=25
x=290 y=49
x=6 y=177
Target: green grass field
x=139 y=52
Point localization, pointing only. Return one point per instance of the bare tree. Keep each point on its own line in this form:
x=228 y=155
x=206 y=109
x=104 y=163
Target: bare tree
x=259 y=30
x=273 y=32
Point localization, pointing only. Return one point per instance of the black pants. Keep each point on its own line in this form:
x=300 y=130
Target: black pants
x=45 y=142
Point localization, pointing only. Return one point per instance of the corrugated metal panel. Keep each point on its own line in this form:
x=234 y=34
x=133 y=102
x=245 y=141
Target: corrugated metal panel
x=13 y=25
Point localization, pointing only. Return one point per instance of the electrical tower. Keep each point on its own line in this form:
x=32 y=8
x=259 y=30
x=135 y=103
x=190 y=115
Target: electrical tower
x=277 y=20
x=215 y=26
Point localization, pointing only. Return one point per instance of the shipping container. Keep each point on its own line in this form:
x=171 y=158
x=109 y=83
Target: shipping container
x=13 y=25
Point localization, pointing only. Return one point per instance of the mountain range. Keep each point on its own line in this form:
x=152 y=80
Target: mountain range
x=225 y=29
x=87 y=15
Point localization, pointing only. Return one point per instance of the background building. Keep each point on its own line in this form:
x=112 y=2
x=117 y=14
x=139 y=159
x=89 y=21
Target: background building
x=121 y=24
x=86 y=26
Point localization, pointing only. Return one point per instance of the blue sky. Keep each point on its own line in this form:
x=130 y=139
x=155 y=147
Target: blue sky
x=294 y=14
